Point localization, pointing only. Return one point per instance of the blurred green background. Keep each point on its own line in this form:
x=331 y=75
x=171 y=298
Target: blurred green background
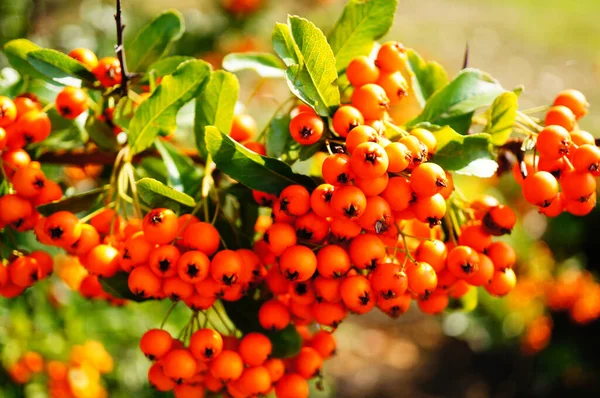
x=545 y=45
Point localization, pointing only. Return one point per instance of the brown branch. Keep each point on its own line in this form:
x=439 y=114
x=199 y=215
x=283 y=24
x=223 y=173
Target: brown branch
x=120 y=51
x=96 y=156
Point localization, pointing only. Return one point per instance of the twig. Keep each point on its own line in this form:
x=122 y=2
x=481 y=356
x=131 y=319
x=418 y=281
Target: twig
x=120 y=51
x=95 y=156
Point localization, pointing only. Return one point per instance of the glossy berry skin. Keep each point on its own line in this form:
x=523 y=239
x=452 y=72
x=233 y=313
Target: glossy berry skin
x=306 y=128
x=71 y=102
x=85 y=56
x=362 y=70
x=574 y=100
x=540 y=188
x=345 y=119
x=108 y=71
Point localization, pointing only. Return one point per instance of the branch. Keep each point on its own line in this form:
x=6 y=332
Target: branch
x=120 y=51
x=96 y=156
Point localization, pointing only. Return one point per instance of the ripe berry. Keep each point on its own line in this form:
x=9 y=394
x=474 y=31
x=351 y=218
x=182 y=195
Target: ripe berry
x=462 y=261
x=371 y=100
x=359 y=135
x=422 y=279
x=143 y=282
x=433 y=304
x=362 y=70
x=430 y=210
x=327 y=289
x=399 y=157
x=88 y=239
x=553 y=142
x=206 y=344
x=433 y=252
x=176 y=289
x=366 y=251
x=308 y=363
x=193 y=266
x=574 y=100
x=156 y=343
x=24 y=271
x=540 y=188
x=388 y=281
x=243 y=128
x=578 y=186
x=344 y=230
x=295 y=200
x=292 y=385
x=560 y=116
x=34 y=126
x=377 y=216
x=372 y=186
x=345 y=119
x=255 y=349
x=502 y=255
x=179 y=365
x=306 y=128
x=586 y=158
x=333 y=261
x=484 y=273
x=395 y=86
x=369 y=160
x=273 y=315
x=158 y=379
x=391 y=56
x=201 y=236
x=108 y=71
x=226 y=267
x=71 y=102
x=163 y=260
x=499 y=220
x=502 y=282
x=348 y=202
x=298 y=263
x=396 y=306
x=426 y=137
x=28 y=181
x=475 y=236
x=357 y=294
x=85 y=56
x=324 y=343
x=8 y=111
x=255 y=381
x=63 y=228
x=280 y=236
x=336 y=169
x=160 y=226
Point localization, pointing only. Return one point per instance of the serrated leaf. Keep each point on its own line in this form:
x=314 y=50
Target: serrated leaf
x=56 y=65
x=118 y=286
x=361 y=24
x=249 y=168
x=75 y=203
x=314 y=78
x=455 y=151
x=101 y=134
x=16 y=51
x=156 y=194
x=503 y=114
x=471 y=89
x=168 y=65
x=182 y=174
x=278 y=136
x=154 y=40
x=264 y=64
x=427 y=77
x=158 y=112
x=215 y=106
x=284 y=45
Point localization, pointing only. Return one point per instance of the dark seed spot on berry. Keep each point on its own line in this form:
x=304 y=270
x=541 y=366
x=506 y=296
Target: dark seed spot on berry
x=229 y=279
x=343 y=178
x=371 y=157
x=291 y=276
x=192 y=270
x=208 y=352
x=266 y=237
x=301 y=289
x=156 y=218
x=56 y=233
x=304 y=233
x=467 y=268
x=164 y=265
x=306 y=132
x=351 y=211
x=365 y=298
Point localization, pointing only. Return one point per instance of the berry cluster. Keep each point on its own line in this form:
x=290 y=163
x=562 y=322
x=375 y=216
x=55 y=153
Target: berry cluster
x=77 y=378
x=241 y=367
x=568 y=161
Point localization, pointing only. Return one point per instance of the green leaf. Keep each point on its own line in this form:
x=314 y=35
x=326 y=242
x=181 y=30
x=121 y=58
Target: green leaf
x=158 y=112
x=76 y=203
x=470 y=154
x=278 y=136
x=284 y=46
x=361 y=24
x=314 y=78
x=101 y=134
x=16 y=51
x=168 y=65
x=118 y=286
x=182 y=174
x=470 y=90
x=56 y=65
x=123 y=113
x=10 y=82
x=265 y=64
x=286 y=342
x=249 y=168
x=248 y=211
x=215 y=106
x=503 y=114
x=427 y=77
x=154 y=40
x=156 y=194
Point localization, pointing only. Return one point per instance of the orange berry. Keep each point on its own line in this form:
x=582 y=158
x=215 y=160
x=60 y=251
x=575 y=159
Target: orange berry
x=398 y=194
x=206 y=344
x=344 y=230
x=560 y=116
x=280 y=236
x=324 y=343
x=292 y=385
x=311 y=227
x=579 y=208
x=502 y=255
x=108 y=71
x=336 y=169
x=160 y=226
x=327 y=289
x=8 y=111
x=395 y=86
x=202 y=236
x=433 y=252
x=34 y=126
x=345 y=119
x=388 y=281
x=243 y=128
x=298 y=263
x=427 y=179
x=484 y=273
x=377 y=216
x=553 y=142
x=391 y=56
x=158 y=379
x=422 y=279
x=85 y=56
x=273 y=315
x=156 y=343
x=433 y=304
x=136 y=251
x=578 y=186
x=308 y=363
x=362 y=70
x=359 y=135
x=371 y=100
x=14 y=210
x=581 y=137
x=357 y=294
x=193 y=266
x=366 y=251
x=163 y=260
x=102 y=260
x=255 y=381
x=462 y=261
x=586 y=158
x=502 y=282
x=276 y=369
x=295 y=200
x=63 y=228
x=430 y=210
x=256 y=147
x=176 y=289
x=416 y=148
x=396 y=306
x=320 y=199
x=348 y=202
x=255 y=349
x=88 y=239
x=28 y=181
x=574 y=100
x=499 y=220
x=71 y=102
x=540 y=188
x=333 y=261
x=179 y=365
x=369 y=160
x=226 y=267
x=306 y=128
x=399 y=157
x=475 y=236
x=24 y=271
